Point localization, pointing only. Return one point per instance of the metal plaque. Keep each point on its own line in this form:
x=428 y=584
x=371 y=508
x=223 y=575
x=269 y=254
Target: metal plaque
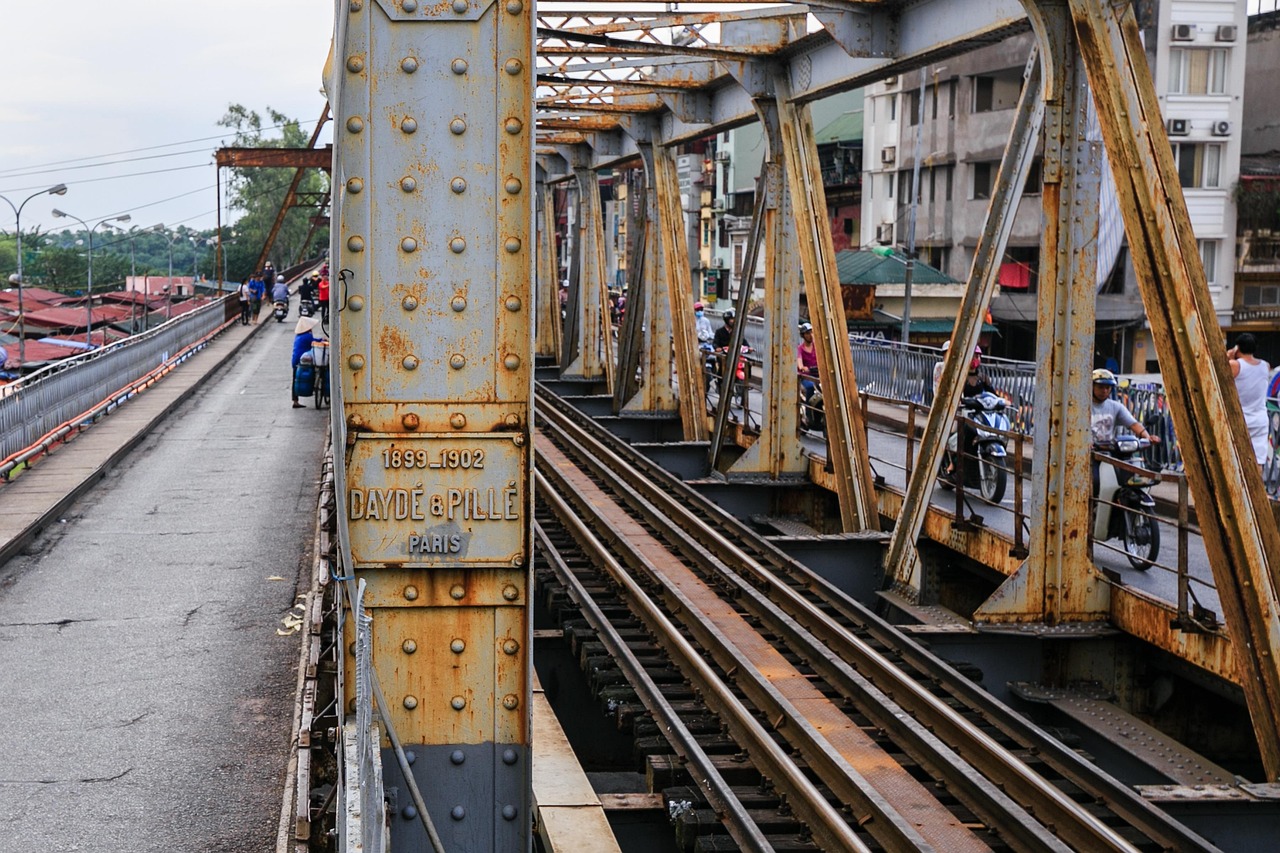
x=437 y=500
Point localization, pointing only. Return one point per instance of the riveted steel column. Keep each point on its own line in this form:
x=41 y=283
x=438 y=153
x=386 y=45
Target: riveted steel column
x=673 y=278
x=776 y=452
x=1058 y=583
x=1232 y=508
x=845 y=429
x=650 y=305
x=547 y=320
x=594 y=359
x=433 y=237
x=902 y=559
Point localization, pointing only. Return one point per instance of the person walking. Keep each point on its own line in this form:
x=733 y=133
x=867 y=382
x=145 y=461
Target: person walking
x=256 y=291
x=245 y=294
x=307 y=331
x=1252 y=376
x=322 y=292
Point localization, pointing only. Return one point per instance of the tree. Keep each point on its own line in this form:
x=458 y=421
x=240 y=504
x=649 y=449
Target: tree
x=260 y=192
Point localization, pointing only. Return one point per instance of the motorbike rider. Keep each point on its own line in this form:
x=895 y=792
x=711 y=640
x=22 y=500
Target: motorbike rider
x=975 y=383
x=307 y=290
x=702 y=324
x=1107 y=414
x=724 y=335
x=280 y=290
x=807 y=361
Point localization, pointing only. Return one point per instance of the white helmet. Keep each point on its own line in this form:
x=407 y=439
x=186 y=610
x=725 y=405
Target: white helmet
x=280 y=279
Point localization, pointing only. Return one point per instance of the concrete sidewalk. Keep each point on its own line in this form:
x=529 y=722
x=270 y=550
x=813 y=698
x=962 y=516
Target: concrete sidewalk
x=42 y=492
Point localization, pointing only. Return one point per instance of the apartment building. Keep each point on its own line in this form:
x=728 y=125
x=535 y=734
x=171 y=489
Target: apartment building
x=954 y=118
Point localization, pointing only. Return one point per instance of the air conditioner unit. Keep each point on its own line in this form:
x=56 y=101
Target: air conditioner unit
x=884 y=233
x=1178 y=127
x=888 y=154
x=1183 y=32
x=1227 y=32
x=891 y=81
x=1222 y=128
x=722 y=156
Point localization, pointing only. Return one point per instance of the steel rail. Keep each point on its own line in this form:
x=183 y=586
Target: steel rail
x=1119 y=798
x=837 y=645
x=729 y=808
x=803 y=796
x=932 y=733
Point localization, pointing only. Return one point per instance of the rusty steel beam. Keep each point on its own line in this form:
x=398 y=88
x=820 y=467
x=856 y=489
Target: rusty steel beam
x=293 y=189
x=1057 y=583
x=594 y=357
x=276 y=158
x=1235 y=516
x=547 y=318
x=845 y=428
x=902 y=561
x=776 y=453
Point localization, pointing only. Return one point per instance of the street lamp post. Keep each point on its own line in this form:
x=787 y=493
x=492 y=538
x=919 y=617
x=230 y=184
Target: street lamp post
x=88 y=301
x=58 y=189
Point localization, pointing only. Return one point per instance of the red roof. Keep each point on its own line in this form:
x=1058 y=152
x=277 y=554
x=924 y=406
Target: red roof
x=38 y=353
x=74 y=318
x=33 y=297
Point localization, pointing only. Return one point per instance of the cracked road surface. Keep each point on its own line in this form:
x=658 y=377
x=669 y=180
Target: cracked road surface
x=145 y=694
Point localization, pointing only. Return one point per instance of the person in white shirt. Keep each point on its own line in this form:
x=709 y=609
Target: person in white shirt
x=1252 y=376
x=702 y=324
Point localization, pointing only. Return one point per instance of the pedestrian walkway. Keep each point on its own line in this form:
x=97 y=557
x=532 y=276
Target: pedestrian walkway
x=43 y=491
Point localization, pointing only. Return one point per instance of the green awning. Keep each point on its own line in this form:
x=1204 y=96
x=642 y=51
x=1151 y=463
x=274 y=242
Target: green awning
x=861 y=266
x=847 y=127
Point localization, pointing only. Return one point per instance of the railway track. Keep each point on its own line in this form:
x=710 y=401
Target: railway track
x=800 y=720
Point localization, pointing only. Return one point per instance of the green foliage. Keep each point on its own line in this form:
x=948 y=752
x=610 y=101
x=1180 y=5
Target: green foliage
x=259 y=193
x=1257 y=203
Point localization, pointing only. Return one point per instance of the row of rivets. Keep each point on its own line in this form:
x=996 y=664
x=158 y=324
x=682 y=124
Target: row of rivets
x=458 y=592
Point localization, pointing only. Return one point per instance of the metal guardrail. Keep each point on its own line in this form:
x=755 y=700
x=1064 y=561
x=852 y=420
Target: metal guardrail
x=904 y=372
x=61 y=392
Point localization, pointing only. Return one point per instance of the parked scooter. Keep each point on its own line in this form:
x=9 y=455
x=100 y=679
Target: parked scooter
x=984 y=463
x=1125 y=506
x=280 y=310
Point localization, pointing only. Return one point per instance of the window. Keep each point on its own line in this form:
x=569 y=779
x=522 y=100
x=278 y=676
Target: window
x=1035 y=178
x=936 y=256
x=1195 y=71
x=949 y=171
x=984 y=176
x=913 y=107
x=951 y=98
x=1197 y=164
x=893 y=107
x=888 y=185
x=998 y=91
x=1209 y=257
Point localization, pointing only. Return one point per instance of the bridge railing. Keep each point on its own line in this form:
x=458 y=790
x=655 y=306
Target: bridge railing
x=904 y=372
x=41 y=402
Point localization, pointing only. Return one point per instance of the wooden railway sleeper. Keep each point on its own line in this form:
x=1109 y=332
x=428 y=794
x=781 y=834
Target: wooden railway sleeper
x=813 y=807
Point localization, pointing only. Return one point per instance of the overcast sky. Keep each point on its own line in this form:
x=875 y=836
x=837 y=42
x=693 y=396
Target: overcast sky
x=86 y=78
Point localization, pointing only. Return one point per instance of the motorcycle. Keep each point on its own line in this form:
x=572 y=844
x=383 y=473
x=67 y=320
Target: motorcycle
x=280 y=310
x=984 y=463
x=1124 y=507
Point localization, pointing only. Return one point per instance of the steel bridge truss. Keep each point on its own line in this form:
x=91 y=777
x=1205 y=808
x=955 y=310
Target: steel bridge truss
x=624 y=89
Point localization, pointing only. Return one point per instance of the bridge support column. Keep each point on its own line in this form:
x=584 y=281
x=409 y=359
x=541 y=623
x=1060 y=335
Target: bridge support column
x=547 y=319
x=846 y=434
x=1232 y=507
x=776 y=453
x=594 y=356
x=669 y=348
x=1058 y=582
x=902 y=561
x=432 y=373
